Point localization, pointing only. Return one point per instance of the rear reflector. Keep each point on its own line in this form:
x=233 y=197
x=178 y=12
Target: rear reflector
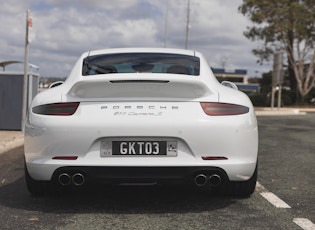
x=139 y=81
x=208 y=158
x=69 y=158
x=223 y=109
x=57 y=109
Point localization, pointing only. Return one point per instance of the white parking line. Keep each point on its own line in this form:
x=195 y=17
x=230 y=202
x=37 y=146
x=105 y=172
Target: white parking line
x=260 y=188
x=274 y=200
x=304 y=223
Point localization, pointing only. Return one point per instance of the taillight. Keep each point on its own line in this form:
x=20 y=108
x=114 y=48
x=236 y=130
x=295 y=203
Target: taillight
x=57 y=109
x=223 y=109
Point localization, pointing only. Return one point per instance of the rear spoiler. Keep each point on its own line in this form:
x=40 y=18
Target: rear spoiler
x=183 y=88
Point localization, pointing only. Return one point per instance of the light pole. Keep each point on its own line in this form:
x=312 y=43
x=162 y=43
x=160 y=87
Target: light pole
x=187 y=23
x=166 y=25
x=25 y=79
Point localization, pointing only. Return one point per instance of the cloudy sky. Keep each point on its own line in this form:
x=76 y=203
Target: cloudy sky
x=64 y=29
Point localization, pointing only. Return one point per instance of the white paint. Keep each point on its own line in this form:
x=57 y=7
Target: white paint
x=304 y=223
x=260 y=188
x=274 y=200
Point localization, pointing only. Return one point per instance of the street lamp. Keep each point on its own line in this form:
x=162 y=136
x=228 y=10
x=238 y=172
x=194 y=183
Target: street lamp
x=187 y=23
x=166 y=25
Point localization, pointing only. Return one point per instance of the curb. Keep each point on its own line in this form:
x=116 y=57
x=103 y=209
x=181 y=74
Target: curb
x=276 y=112
x=10 y=140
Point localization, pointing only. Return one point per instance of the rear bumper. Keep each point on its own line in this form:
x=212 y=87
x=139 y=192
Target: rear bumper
x=128 y=174
x=122 y=175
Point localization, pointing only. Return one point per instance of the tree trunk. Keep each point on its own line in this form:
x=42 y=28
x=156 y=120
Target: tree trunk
x=292 y=78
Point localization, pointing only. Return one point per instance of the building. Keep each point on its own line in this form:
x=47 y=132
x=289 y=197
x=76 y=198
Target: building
x=237 y=76
x=11 y=94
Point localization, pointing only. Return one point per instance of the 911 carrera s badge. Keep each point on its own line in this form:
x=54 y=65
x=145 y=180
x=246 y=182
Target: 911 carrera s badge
x=137 y=114
x=138 y=110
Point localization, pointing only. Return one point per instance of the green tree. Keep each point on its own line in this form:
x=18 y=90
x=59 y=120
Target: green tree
x=287 y=25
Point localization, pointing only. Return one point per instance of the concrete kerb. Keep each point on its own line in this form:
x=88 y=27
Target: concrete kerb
x=10 y=140
x=276 y=112
x=263 y=111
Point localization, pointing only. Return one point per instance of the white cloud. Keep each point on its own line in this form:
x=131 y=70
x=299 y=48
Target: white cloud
x=93 y=4
x=64 y=29
x=12 y=27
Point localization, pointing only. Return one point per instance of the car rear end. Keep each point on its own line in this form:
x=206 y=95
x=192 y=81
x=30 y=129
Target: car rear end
x=141 y=128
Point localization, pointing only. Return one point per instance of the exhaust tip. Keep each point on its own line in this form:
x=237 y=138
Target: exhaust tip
x=201 y=180
x=78 y=179
x=215 y=180
x=64 y=179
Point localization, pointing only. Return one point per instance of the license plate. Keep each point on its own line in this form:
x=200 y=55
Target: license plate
x=138 y=148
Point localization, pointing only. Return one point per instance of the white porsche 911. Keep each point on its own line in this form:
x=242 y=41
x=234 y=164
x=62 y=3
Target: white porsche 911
x=142 y=115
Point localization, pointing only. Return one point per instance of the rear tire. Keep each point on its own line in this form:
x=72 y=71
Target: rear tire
x=36 y=188
x=243 y=188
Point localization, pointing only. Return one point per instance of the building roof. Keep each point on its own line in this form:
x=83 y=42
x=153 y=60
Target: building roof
x=6 y=63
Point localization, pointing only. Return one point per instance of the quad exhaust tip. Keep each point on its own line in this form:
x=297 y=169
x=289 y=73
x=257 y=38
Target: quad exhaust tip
x=213 y=180
x=65 y=179
x=78 y=179
x=201 y=180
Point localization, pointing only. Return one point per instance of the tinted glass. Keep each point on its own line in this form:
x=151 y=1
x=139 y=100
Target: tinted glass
x=141 y=62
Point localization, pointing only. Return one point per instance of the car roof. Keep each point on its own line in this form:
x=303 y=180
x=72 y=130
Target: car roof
x=142 y=50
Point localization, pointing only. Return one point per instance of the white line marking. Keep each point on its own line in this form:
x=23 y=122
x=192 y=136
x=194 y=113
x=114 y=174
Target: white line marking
x=274 y=200
x=304 y=223
x=260 y=188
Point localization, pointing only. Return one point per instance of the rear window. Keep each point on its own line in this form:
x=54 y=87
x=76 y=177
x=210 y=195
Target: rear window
x=141 y=63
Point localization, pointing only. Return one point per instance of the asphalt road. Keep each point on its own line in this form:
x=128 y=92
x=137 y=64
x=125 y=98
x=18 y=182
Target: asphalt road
x=286 y=171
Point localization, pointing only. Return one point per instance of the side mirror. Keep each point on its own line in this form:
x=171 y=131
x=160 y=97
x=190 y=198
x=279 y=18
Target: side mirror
x=229 y=84
x=55 y=84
